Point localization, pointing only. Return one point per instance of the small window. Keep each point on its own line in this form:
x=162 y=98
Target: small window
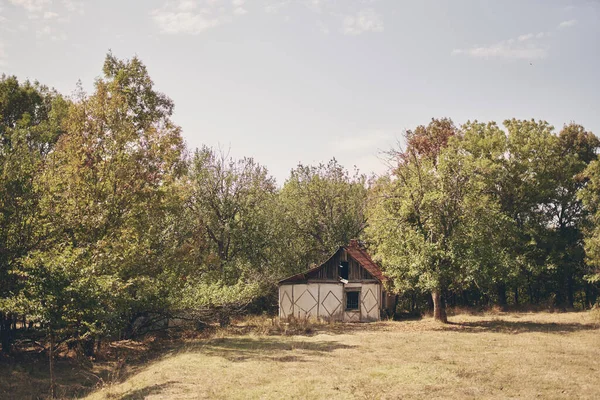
x=344 y=270
x=352 y=300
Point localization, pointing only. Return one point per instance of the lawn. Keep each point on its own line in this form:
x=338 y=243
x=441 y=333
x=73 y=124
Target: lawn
x=499 y=355
x=524 y=355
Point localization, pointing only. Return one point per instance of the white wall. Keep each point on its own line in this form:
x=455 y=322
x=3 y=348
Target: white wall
x=370 y=302
x=327 y=301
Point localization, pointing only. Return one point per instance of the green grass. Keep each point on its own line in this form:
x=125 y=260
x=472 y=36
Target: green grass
x=513 y=355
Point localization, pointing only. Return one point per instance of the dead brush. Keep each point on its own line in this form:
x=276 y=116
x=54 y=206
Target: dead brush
x=264 y=325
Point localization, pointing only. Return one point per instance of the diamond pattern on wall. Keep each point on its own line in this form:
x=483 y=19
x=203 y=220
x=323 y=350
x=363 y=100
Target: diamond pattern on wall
x=369 y=301
x=286 y=304
x=352 y=316
x=331 y=303
x=306 y=301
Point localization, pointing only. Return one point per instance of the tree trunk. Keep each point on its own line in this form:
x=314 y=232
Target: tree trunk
x=501 y=288
x=439 y=306
x=516 y=295
x=590 y=296
x=6 y=333
x=570 y=293
x=51 y=357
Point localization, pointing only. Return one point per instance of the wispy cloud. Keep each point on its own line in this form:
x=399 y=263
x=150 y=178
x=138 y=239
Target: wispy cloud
x=50 y=15
x=366 y=20
x=45 y=16
x=239 y=7
x=567 y=24
x=276 y=6
x=347 y=17
x=195 y=16
x=526 y=46
x=32 y=5
x=74 y=6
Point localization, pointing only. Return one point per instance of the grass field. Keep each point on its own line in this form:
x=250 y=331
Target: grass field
x=502 y=355
x=541 y=355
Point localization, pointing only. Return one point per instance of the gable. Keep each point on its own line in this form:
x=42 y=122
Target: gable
x=363 y=258
x=360 y=267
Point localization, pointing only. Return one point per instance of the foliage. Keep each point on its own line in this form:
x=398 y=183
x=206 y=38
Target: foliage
x=230 y=206
x=106 y=219
x=590 y=197
x=108 y=191
x=433 y=226
x=324 y=207
x=30 y=123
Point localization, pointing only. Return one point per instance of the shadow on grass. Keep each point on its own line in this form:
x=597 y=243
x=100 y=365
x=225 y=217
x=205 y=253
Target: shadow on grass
x=27 y=377
x=516 y=327
x=146 y=391
x=237 y=349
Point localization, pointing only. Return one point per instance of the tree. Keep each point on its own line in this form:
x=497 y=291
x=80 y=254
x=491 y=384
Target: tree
x=487 y=145
x=109 y=196
x=54 y=293
x=231 y=208
x=30 y=123
x=429 y=141
x=589 y=195
x=324 y=207
x=432 y=226
x=564 y=212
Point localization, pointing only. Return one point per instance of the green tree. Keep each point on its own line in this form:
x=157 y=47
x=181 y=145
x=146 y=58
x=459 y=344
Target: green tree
x=324 y=206
x=30 y=123
x=110 y=194
x=231 y=206
x=564 y=212
x=487 y=145
x=432 y=225
x=589 y=194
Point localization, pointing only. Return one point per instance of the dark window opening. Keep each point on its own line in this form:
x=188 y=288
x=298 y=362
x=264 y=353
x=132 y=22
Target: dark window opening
x=344 y=270
x=352 y=300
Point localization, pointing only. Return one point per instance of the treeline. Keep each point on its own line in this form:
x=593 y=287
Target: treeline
x=109 y=225
x=478 y=215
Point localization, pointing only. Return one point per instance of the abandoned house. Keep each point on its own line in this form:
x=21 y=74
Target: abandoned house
x=347 y=287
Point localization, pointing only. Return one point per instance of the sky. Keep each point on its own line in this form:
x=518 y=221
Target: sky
x=302 y=81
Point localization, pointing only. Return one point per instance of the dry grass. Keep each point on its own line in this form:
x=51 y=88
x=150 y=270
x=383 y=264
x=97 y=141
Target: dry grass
x=524 y=355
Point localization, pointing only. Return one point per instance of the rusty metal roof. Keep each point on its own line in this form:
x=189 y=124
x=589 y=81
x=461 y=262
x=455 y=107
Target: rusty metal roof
x=355 y=250
x=362 y=257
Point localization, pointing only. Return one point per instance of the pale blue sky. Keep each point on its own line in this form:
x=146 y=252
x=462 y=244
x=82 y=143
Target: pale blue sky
x=307 y=80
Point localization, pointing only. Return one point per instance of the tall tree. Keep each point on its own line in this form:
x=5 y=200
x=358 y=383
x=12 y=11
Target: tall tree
x=432 y=225
x=324 y=207
x=429 y=141
x=575 y=150
x=30 y=124
x=108 y=193
x=231 y=207
x=486 y=144
x=589 y=195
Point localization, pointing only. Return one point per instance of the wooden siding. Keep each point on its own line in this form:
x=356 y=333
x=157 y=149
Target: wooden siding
x=330 y=270
x=327 y=301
